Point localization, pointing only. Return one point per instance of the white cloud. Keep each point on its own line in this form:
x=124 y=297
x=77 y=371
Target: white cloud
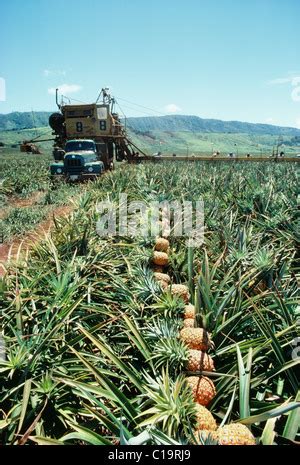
x=298 y=123
x=53 y=72
x=172 y=108
x=277 y=81
x=65 y=89
x=270 y=120
x=293 y=79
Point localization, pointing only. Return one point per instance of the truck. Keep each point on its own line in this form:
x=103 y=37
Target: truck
x=79 y=161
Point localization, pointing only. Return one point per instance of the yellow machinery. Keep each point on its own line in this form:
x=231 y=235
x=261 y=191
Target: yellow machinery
x=97 y=122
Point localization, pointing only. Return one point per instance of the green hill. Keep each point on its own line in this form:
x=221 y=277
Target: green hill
x=175 y=123
x=23 y=120
x=168 y=134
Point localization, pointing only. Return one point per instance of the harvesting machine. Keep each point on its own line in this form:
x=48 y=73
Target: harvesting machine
x=89 y=138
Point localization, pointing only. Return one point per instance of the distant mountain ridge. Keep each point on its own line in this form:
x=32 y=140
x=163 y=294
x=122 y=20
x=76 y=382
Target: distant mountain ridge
x=196 y=124
x=23 y=120
x=170 y=123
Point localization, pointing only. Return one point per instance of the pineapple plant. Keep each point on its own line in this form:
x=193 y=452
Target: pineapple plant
x=161 y=328
x=203 y=389
x=180 y=290
x=169 y=305
x=169 y=404
x=235 y=434
x=196 y=338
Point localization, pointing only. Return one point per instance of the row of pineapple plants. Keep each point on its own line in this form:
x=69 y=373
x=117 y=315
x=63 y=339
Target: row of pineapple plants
x=92 y=350
x=194 y=343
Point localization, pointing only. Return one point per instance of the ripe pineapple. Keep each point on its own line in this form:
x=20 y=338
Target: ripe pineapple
x=189 y=311
x=196 y=338
x=162 y=284
x=204 y=419
x=188 y=323
x=160 y=258
x=161 y=244
x=162 y=277
x=235 y=434
x=199 y=361
x=203 y=389
x=181 y=291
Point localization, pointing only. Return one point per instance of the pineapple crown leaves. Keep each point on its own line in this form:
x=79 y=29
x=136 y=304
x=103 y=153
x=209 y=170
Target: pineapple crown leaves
x=169 y=305
x=168 y=404
x=204 y=439
x=142 y=256
x=162 y=328
x=171 y=352
x=263 y=260
x=144 y=285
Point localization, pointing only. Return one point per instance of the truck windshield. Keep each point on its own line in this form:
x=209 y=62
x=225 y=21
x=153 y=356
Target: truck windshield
x=75 y=145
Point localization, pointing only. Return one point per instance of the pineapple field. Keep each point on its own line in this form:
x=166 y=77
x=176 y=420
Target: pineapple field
x=129 y=340
x=27 y=194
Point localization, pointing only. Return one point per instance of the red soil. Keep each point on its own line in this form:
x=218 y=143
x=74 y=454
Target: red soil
x=16 y=202
x=8 y=250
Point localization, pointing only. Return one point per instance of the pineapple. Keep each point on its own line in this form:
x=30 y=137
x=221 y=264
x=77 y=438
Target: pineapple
x=189 y=323
x=199 y=361
x=196 y=338
x=181 y=291
x=162 y=284
x=189 y=311
x=203 y=389
x=161 y=244
x=204 y=419
x=235 y=434
x=162 y=277
x=160 y=258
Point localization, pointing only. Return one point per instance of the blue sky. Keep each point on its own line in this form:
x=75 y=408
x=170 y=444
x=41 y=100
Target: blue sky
x=227 y=59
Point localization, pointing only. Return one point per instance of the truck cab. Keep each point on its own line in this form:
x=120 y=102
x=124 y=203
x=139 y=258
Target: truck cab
x=81 y=161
